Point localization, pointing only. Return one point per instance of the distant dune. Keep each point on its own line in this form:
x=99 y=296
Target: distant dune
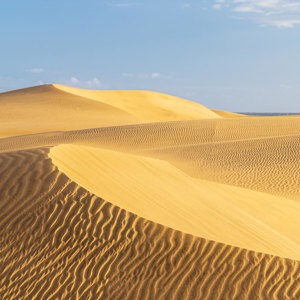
x=141 y=195
x=58 y=108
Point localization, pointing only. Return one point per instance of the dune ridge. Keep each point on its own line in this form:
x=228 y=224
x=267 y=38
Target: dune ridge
x=54 y=108
x=74 y=245
x=147 y=105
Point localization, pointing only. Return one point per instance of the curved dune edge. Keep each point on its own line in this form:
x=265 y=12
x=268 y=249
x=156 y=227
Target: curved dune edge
x=158 y=191
x=45 y=109
x=58 y=240
x=260 y=154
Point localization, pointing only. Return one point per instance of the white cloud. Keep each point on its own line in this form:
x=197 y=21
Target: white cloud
x=93 y=83
x=36 y=70
x=219 y=4
x=277 y=13
x=284 y=23
x=156 y=75
x=74 y=81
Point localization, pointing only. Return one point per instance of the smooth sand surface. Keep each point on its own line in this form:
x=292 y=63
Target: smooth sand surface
x=198 y=203
x=149 y=106
x=227 y=114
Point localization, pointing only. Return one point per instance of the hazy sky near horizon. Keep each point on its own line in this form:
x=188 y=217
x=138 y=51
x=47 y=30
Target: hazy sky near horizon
x=236 y=55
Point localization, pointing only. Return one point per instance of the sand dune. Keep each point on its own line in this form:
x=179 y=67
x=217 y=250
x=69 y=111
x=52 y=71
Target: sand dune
x=227 y=114
x=59 y=241
x=149 y=106
x=45 y=108
x=199 y=203
x=158 y=191
x=53 y=108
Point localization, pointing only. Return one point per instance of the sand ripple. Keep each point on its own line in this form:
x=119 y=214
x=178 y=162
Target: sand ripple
x=60 y=241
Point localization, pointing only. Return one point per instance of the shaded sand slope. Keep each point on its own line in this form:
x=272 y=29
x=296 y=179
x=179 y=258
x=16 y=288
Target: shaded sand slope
x=45 y=108
x=158 y=191
x=59 y=241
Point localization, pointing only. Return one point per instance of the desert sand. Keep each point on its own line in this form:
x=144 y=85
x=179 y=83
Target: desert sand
x=142 y=195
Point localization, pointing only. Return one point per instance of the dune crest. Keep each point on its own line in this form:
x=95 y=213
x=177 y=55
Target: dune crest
x=45 y=108
x=49 y=108
x=147 y=105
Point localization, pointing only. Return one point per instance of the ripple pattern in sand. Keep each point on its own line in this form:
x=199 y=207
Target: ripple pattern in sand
x=58 y=241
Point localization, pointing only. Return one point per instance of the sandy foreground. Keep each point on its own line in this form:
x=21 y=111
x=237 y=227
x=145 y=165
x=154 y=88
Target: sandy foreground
x=142 y=195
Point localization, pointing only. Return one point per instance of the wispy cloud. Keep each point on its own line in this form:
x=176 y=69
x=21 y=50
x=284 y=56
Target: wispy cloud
x=74 y=81
x=36 y=70
x=93 y=83
x=277 y=13
x=154 y=75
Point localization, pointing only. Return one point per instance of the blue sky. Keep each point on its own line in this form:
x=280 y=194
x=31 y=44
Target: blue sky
x=236 y=55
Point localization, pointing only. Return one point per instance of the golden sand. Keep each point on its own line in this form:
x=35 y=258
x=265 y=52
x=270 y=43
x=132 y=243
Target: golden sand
x=198 y=203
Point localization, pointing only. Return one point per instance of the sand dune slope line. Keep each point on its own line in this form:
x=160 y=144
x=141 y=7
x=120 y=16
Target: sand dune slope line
x=74 y=245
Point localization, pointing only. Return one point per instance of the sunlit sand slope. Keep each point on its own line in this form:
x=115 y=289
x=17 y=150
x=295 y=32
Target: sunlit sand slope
x=149 y=106
x=227 y=114
x=256 y=153
x=59 y=241
x=160 y=192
